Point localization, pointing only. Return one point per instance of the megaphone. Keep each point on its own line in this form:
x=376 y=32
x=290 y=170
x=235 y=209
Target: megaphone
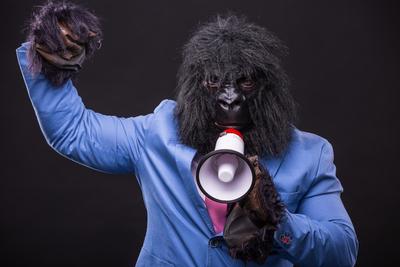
x=225 y=175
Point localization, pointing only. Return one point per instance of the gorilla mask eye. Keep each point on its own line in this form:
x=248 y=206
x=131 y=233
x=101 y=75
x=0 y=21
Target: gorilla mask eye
x=212 y=83
x=247 y=85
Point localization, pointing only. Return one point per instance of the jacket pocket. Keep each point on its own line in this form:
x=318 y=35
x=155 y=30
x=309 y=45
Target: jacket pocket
x=147 y=259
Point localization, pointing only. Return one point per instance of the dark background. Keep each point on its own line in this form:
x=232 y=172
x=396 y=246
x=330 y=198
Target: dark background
x=344 y=65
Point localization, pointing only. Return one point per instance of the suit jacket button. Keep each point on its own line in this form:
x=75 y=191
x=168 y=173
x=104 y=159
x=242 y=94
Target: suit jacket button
x=214 y=242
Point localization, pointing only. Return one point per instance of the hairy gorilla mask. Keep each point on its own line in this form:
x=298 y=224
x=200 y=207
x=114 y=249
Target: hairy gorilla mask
x=231 y=76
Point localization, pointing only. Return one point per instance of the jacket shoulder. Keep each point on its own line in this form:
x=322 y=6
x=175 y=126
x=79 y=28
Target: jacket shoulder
x=308 y=148
x=166 y=105
x=164 y=125
x=307 y=141
x=302 y=157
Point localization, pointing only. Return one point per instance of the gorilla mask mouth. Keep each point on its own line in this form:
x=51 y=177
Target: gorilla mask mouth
x=231 y=110
x=237 y=126
x=239 y=118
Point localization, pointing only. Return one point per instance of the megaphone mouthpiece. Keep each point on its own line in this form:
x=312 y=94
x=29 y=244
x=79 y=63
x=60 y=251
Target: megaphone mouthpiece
x=227 y=165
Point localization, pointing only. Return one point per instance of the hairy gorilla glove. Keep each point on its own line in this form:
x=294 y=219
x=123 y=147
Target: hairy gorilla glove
x=250 y=226
x=62 y=35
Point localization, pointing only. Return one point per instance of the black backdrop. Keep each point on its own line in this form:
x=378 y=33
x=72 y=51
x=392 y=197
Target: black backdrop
x=343 y=62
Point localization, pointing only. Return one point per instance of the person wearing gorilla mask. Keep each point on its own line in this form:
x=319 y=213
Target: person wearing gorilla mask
x=231 y=77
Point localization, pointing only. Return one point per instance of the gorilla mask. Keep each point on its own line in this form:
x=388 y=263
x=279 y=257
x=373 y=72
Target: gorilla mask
x=231 y=77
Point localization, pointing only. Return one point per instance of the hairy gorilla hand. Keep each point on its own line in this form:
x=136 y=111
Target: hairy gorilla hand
x=250 y=226
x=62 y=35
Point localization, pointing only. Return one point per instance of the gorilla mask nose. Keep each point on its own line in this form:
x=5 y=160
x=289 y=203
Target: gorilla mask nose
x=231 y=108
x=230 y=99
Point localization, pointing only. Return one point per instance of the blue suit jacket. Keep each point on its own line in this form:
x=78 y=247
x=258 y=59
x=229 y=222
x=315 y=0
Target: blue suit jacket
x=317 y=230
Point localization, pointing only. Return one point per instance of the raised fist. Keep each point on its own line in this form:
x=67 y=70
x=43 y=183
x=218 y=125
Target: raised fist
x=62 y=36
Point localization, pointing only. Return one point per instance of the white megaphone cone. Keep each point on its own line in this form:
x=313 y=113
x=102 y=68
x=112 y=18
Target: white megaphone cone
x=225 y=175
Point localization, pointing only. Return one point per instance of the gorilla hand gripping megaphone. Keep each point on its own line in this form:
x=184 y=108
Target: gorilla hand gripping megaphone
x=225 y=175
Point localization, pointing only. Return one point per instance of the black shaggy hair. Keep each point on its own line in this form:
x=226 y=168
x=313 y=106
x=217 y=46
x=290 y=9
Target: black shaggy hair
x=230 y=44
x=43 y=29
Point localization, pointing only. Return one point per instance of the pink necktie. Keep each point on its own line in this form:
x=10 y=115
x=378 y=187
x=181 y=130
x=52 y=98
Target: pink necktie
x=217 y=212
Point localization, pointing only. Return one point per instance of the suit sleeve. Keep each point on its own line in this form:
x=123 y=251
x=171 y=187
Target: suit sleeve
x=105 y=143
x=321 y=232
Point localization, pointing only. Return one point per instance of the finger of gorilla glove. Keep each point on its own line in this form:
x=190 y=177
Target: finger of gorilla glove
x=251 y=224
x=245 y=240
x=263 y=204
x=64 y=61
x=62 y=35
